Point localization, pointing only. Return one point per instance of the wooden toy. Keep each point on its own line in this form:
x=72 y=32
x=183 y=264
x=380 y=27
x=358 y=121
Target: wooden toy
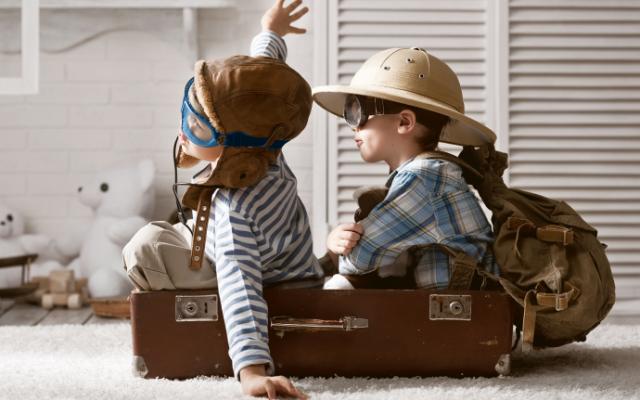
x=62 y=289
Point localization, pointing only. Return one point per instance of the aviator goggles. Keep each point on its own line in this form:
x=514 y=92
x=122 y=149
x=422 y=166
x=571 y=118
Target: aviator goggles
x=199 y=130
x=358 y=109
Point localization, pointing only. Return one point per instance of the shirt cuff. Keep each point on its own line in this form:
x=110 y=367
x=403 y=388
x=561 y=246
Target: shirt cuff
x=346 y=267
x=251 y=352
x=269 y=44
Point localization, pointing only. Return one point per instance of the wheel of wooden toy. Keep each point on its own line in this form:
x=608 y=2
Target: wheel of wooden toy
x=74 y=301
x=47 y=301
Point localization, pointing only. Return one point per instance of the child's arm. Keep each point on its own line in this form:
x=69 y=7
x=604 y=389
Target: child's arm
x=276 y=23
x=392 y=227
x=239 y=270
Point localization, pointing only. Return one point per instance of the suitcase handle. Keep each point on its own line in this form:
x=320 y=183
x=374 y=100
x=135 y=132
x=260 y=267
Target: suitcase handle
x=283 y=324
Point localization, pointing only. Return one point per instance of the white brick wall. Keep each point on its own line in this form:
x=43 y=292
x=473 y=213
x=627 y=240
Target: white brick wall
x=116 y=99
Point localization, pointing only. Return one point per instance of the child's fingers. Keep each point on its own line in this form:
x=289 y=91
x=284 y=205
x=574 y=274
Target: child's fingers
x=353 y=227
x=280 y=3
x=293 y=29
x=348 y=244
x=270 y=388
x=350 y=236
x=294 y=4
x=298 y=14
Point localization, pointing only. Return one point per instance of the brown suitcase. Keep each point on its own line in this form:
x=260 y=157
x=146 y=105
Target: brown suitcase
x=313 y=332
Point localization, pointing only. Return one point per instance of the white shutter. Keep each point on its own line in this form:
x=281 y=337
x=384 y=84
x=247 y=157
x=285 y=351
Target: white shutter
x=454 y=31
x=574 y=118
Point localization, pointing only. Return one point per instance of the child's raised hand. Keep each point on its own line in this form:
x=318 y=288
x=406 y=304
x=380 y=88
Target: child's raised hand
x=279 y=18
x=343 y=238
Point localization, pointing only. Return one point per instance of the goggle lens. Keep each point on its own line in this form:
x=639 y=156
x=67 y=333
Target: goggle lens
x=195 y=126
x=354 y=113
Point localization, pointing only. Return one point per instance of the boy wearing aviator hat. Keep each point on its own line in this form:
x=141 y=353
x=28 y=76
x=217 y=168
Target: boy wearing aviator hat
x=401 y=103
x=250 y=228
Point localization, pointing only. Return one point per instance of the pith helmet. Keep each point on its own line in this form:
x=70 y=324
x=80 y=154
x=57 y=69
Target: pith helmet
x=412 y=77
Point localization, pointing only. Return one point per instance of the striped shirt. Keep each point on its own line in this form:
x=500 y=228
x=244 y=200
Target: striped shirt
x=428 y=202
x=258 y=236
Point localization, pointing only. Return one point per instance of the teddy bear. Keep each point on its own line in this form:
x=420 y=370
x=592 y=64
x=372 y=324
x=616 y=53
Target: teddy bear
x=14 y=242
x=122 y=200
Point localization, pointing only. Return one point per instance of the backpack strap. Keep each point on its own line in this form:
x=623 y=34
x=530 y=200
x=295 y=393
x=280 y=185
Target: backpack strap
x=441 y=155
x=463 y=267
x=535 y=301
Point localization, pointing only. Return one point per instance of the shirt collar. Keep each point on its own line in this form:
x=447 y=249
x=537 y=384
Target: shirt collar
x=395 y=172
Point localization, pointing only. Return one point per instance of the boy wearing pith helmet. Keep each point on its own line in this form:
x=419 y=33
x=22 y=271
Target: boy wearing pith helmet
x=402 y=102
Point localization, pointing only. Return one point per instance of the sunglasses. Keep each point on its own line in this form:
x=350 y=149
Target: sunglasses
x=358 y=109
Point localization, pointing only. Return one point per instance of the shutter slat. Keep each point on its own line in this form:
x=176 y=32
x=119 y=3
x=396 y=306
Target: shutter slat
x=412 y=16
x=430 y=43
x=576 y=5
x=604 y=29
x=559 y=14
x=587 y=168
x=545 y=54
x=574 y=81
x=410 y=5
x=582 y=94
x=550 y=131
x=414 y=29
x=594 y=143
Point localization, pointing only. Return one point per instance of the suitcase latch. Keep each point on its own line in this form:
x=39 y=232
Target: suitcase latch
x=450 y=307
x=197 y=308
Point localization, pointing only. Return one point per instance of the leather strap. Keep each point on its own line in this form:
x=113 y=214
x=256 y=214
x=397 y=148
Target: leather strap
x=200 y=229
x=464 y=270
x=548 y=233
x=555 y=234
x=464 y=267
x=528 y=321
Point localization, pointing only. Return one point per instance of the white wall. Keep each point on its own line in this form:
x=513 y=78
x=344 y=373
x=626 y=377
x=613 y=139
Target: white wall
x=116 y=99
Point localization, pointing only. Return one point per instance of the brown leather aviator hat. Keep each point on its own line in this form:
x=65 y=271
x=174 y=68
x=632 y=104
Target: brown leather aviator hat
x=252 y=107
x=415 y=78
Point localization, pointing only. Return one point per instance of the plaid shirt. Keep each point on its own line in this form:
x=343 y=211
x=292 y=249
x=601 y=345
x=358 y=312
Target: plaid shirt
x=428 y=202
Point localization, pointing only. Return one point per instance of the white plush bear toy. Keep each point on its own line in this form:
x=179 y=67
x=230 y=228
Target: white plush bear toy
x=13 y=242
x=121 y=199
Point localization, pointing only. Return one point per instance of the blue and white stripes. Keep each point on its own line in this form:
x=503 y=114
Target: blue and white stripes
x=257 y=236
x=269 y=44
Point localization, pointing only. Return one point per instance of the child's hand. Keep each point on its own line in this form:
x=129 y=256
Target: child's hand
x=278 y=18
x=343 y=238
x=255 y=383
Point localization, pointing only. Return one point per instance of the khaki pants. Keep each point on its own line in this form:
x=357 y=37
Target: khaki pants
x=158 y=258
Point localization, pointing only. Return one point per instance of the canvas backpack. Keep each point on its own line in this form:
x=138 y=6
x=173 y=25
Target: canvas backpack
x=550 y=259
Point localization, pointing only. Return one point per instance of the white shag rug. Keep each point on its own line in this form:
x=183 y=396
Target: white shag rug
x=93 y=362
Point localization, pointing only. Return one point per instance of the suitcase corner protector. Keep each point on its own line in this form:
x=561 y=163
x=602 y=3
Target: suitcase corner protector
x=503 y=366
x=139 y=367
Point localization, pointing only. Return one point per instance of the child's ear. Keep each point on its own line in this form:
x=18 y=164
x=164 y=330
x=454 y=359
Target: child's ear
x=407 y=122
